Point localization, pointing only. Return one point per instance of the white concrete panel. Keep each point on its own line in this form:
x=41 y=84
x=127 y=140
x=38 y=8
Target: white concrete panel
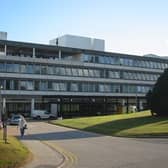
x=3 y=35
x=73 y=41
x=55 y=93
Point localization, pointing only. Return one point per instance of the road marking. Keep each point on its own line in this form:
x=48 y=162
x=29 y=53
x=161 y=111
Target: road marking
x=70 y=159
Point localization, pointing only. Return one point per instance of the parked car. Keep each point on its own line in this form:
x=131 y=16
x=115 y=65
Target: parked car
x=15 y=119
x=42 y=114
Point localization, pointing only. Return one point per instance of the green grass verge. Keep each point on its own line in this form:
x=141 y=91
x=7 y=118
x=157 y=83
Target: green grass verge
x=140 y=124
x=13 y=154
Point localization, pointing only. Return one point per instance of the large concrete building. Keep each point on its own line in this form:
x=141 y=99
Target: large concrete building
x=74 y=80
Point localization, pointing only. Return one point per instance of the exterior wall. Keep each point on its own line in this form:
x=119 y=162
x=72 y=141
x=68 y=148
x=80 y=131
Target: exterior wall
x=71 y=102
x=79 y=42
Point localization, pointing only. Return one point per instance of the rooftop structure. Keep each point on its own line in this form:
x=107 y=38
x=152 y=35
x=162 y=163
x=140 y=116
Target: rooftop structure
x=79 y=42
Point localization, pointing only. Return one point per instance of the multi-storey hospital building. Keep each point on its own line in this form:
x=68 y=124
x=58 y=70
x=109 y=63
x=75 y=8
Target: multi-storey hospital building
x=74 y=76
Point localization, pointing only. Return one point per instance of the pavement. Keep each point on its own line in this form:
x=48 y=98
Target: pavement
x=60 y=147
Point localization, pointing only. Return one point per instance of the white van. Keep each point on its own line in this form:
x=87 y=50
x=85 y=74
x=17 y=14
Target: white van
x=132 y=109
x=41 y=114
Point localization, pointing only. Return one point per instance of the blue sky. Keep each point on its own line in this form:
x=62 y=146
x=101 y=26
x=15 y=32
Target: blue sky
x=130 y=26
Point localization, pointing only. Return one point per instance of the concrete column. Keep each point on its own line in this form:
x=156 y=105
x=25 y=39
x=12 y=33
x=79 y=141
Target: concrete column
x=59 y=54
x=5 y=50
x=140 y=105
x=127 y=102
x=4 y=105
x=32 y=105
x=34 y=52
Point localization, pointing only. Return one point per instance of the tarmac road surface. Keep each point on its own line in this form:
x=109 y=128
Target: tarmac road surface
x=55 y=146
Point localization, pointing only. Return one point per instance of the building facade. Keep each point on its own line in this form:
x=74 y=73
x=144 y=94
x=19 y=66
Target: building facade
x=74 y=82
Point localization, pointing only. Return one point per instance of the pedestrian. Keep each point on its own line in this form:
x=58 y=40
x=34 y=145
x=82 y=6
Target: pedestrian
x=22 y=125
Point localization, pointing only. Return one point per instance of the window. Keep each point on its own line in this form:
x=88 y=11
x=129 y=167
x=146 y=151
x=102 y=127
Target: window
x=91 y=87
x=59 y=86
x=74 y=87
x=55 y=86
x=44 y=70
x=9 y=67
x=115 y=88
x=62 y=71
x=43 y=85
x=75 y=72
x=68 y=72
x=37 y=85
x=101 y=59
x=96 y=73
x=37 y=69
x=80 y=71
x=107 y=88
x=113 y=74
x=101 y=87
x=26 y=85
x=16 y=67
x=88 y=58
x=107 y=60
x=30 y=85
x=85 y=87
x=50 y=70
x=116 y=60
x=22 y=85
x=9 y=84
x=23 y=68
x=91 y=73
x=85 y=72
x=63 y=86
x=2 y=48
x=2 y=67
x=57 y=71
x=16 y=85
x=29 y=69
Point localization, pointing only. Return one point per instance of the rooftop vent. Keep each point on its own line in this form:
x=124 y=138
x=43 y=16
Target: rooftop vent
x=151 y=55
x=3 y=35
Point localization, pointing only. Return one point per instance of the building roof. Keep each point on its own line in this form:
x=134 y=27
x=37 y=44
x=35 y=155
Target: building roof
x=76 y=50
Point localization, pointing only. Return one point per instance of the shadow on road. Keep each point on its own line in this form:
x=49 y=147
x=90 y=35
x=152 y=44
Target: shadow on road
x=65 y=135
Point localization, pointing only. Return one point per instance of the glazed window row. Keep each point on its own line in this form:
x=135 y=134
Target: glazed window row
x=116 y=60
x=75 y=72
x=44 y=85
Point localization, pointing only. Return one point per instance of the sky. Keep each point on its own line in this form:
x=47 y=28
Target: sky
x=127 y=26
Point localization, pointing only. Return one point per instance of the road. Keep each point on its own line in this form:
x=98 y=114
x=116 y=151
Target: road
x=88 y=150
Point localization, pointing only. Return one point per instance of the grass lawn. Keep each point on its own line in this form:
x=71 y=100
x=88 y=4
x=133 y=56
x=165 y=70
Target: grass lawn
x=13 y=154
x=140 y=124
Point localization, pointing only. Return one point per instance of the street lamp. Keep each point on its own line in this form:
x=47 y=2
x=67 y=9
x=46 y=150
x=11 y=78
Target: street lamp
x=136 y=99
x=1 y=87
x=3 y=116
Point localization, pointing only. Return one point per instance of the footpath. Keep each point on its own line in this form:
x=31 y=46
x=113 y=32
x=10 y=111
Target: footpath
x=44 y=155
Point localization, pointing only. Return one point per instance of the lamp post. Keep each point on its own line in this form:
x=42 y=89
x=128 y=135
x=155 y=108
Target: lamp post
x=3 y=115
x=1 y=87
x=5 y=118
x=136 y=101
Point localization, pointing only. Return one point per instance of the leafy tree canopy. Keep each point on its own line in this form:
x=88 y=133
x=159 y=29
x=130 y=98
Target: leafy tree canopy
x=158 y=98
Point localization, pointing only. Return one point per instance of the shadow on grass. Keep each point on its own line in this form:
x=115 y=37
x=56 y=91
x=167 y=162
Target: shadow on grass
x=114 y=127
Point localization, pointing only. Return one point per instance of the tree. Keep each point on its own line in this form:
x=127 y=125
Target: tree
x=158 y=98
